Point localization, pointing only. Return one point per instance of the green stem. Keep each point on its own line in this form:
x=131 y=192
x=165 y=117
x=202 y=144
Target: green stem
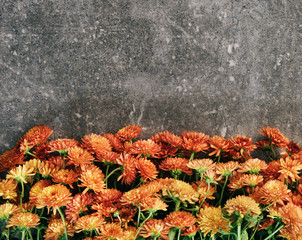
x=107 y=170
x=205 y=196
x=258 y=223
x=140 y=227
x=263 y=209
x=277 y=230
x=64 y=223
x=179 y=231
x=239 y=231
x=139 y=215
x=115 y=170
x=31 y=237
x=177 y=205
x=267 y=154
x=192 y=156
x=31 y=154
x=273 y=152
x=226 y=180
x=22 y=195
x=23 y=234
x=219 y=158
x=38 y=233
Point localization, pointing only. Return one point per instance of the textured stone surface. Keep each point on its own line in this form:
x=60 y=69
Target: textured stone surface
x=216 y=66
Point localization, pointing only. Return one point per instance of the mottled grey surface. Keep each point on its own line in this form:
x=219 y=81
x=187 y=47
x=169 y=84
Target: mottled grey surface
x=221 y=67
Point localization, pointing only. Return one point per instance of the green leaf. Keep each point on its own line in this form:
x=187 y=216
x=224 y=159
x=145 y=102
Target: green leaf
x=244 y=235
x=172 y=233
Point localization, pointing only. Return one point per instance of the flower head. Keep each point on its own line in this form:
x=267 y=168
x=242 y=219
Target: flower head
x=169 y=138
x=289 y=169
x=62 y=145
x=36 y=189
x=176 y=166
x=145 y=148
x=7 y=209
x=155 y=228
x=219 y=145
x=24 y=220
x=8 y=189
x=20 y=173
x=92 y=177
x=114 y=141
x=253 y=166
x=128 y=175
x=10 y=158
x=96 y=143
x=65 y=176
x=201 y=165
x=146 y=169
x=180 y=219
x=274 y=135
x=226 y=169
x=153 y=204
x=129 y=132
x=79 y=156
x=89 y=223
x=56 y=228
x=111 y=231
x=195 y=141
x=241 y=147
x=108 y=195
x=272 y=171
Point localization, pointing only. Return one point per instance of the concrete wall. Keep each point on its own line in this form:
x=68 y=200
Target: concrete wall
x=222 y=67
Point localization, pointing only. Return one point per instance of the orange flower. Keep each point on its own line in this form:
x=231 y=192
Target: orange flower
x=8 y=189
x=176 y=165
x=274 y=191
x=114 y=141
x=56 y=229
x=65 y=176
x=153 y=204
x=241 y=145
x=226 y=169
x=180 y=219
x=253 y=166
x=77 y=205
x=41 y=150
x=169 y=138
x=78 y=156
x=251 y=180
x=7 y=209
x=53 y=196
x=36 y=189
x=103 y=209
x=201 y=165
x=93 y=143
x=210 y=220
x=274 y=135
x=195 y=141
x=204 y=190
x=62 y=145
x=166 y=150
x=111 y=231
x=108 y=195
x=146 y=169
x=219 y=144
x=236 y=182
x=129 y=132
x=24 y=220
x=10 y=158
x=89 y=223
x=107 y=157
x=129 y=169
x=242 y=205
x=289 y=169
x=47 y=169
x=92 y=177
x=155 y=228
x=145 y=148
x=272 y=171
x=57 y=161
x=264 y=145
x=20 y=173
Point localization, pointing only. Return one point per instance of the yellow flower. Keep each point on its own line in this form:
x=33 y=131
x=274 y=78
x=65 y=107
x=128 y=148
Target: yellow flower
x=24 y=220
x=8 y=209
x=20 y=173
x=8 y=189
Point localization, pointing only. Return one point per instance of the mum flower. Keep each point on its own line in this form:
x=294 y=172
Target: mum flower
x=127 y=162
x=129 y=132
x=272 y=171
x=146 y=169
x=219 y=145
x=243 y=205
x=274 y=135
x=211 y=221
x=79 y=156
x=145 y=148
x=226 y=169
x=20 y=173
x=91 y=177
x=114 y=141
x=7 y=209
x=253 y=166
x=176 y=166
x=56 y=229
x=24 y=220
x=108 y=195
x=62 y=145
x=65 y=176
x=153 y=204
x=8 y=189
x=96 y=143
x=204 y=190
x=241 y=147
x=36 y=189
x=89 y=223
x=111 y=231
x=195 y=141
x=201 y=165
x=155 y=228
x=10 y=158
x=180 y=219
x=169 y=138
x=289 y=169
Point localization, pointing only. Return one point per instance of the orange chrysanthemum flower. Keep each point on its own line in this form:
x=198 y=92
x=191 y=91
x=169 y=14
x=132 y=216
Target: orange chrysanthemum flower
x=145 y=148
x=241 y=147
x=79 y=156
x=7 y=209
x=65 y=176
x=10 y=158
x=155 y=228
x=92 y=177
x=264 y=145
x=107 y=157
x=103 y=209
x=96 y=143
x=201 y=165
x=169 y=138
x=243 y=205
x=274 y=135
x=274 y=191
x=37 y=189
x=204 y=190
x=108 y=195
x=111 y=231
x=226 y=169
x=219 y=145
x=47 y=169
x=58 y=161
x=129 y=132
x=129 y=233
x=34 y=164
x=251 y=180
x=289 y=169
x=176 y=165
x=253 y=166
x=8 y=189
x=195 y=141
x=180 y=219
x=20 y=173
x=128 y=163
x=236 y=182
x=167 y=150
x=56 y=229
x=272 y=171
x=78 y=205
x=89 y=223
x=24 y=220
x=146 y=169
x=41 y=151
x=210 y=220
x=114 y=141
x=153 y=204
x=62 y=145
x=54 y=197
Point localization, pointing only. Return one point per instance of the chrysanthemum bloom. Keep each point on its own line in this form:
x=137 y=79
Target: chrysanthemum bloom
x=7 y=209
x=153 y=204
x=24 y=220
x=8 y=189
x=291 y=148
x=236 y=182
x=58 y=161
x=169 y=138
x=251 y=180
x=210 y=220
x=145 y=148
x=47 y=169
x=272 y=171
x=129 y=132
x=176 y=166
x=20 y=173
x=219 y=145
x=274 y=191
x=129 y=172
x=10 y=158
x=253 y=166
x=89 y=223
x=115 y=142
x=264 y=145
x=56 y=229
x=180 y=219
x=34 y=136
x=108 y=195
x=146 y=169
x=289 y=169
x=129 y=233
x=92 y=177
x=95 y=142
x=201 y=165
x=243 y=205
x=111 y=231
x=204 y=190
x=107 y=157
x=167 y=150
x=211 y=176
x=62 y=145
x=54 y=197
x=135 y=196
x=226 y=169
x=79 y=156
x=179 y=189
x=274 y=135
x=65 y=176
x=37 y=188
x=195 y=141
x=41 y=151
x=126 y=215
x=78 y=205
x=191 y=231
x=155 y=228
x=242 y=145
x=103 y=209
x=34 y=164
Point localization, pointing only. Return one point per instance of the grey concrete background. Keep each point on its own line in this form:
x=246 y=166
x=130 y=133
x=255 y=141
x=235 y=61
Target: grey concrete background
x=221 y=67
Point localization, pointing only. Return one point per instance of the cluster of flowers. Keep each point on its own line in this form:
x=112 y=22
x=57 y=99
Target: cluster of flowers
x=192 y=186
